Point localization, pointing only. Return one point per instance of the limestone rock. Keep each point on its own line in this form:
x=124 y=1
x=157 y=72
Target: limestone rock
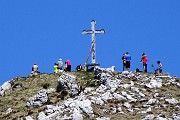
x=29 y=118
x=8 y=111
x=171 y=101
x=77 y=115
x=4 y=87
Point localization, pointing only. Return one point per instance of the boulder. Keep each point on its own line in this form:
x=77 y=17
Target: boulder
x=7 y=85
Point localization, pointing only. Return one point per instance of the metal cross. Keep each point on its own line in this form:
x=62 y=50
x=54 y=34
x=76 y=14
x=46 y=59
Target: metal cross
x=93 y=32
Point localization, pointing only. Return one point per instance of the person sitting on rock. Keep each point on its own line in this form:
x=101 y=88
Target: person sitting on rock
x=55 y=68
x=159 y=69
x=34 y=69
x=79 y=67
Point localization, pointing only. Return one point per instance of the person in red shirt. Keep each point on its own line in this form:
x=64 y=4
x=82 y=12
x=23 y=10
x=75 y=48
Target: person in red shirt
x=144 y=60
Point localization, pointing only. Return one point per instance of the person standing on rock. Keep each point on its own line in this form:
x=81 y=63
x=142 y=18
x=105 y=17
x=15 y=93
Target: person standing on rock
x=68 y=65
x=124 y=61
x=144 y=60
x=128 y=59
x=60 y=65
x=65 y=66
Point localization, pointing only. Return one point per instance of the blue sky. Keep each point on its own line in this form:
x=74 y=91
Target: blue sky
x=42 y=31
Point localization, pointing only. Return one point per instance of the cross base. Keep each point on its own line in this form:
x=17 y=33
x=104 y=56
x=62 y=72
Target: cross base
x=92 y=66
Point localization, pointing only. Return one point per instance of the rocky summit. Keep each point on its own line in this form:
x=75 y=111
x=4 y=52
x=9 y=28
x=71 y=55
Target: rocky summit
x=101 y=95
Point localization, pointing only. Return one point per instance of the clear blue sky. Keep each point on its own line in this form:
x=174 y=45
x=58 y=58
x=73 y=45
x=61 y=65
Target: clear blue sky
x=42 y=31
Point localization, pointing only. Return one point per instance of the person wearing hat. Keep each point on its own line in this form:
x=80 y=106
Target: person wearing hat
x=144 y=60
x=60 y=65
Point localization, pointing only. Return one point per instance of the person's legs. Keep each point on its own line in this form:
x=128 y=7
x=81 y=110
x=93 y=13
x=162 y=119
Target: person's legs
x=127 y=65
x=69 y=68
x=145 y=67
x=159 y=71
x=124 y=65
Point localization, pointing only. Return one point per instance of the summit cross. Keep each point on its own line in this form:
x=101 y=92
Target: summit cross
x=93 y=33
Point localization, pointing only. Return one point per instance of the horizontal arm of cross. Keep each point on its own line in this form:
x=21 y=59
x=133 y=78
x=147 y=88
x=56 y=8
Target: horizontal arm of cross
x=87 y=32
x=91 y=32
x=100 y=31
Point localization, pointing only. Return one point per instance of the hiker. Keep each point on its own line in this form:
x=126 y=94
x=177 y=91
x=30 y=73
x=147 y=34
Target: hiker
x=65 y=66
x=159 y=69
x=35 y=68
x=55 y=68
x=128 y=59
x=124 y=61
x=144 y=60
x=137 y=70
x=79 y=67
x=68 y=62
x=60 y=65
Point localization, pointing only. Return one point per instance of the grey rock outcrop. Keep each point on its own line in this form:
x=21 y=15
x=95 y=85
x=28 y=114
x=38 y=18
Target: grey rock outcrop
x=7 y=85
x=40 y=98
x=68 y=81
x=129 y=95
x=122 y=94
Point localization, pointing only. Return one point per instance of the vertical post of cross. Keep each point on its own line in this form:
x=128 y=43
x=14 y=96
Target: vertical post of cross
x=93 y=33
x=93 y=59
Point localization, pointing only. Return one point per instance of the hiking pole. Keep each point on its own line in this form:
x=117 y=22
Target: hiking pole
x=153 y=67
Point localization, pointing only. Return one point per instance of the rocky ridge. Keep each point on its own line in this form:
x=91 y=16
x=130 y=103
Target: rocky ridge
x=109 y=96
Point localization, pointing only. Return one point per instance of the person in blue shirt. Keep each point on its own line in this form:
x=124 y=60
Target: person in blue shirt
x=128 y=59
